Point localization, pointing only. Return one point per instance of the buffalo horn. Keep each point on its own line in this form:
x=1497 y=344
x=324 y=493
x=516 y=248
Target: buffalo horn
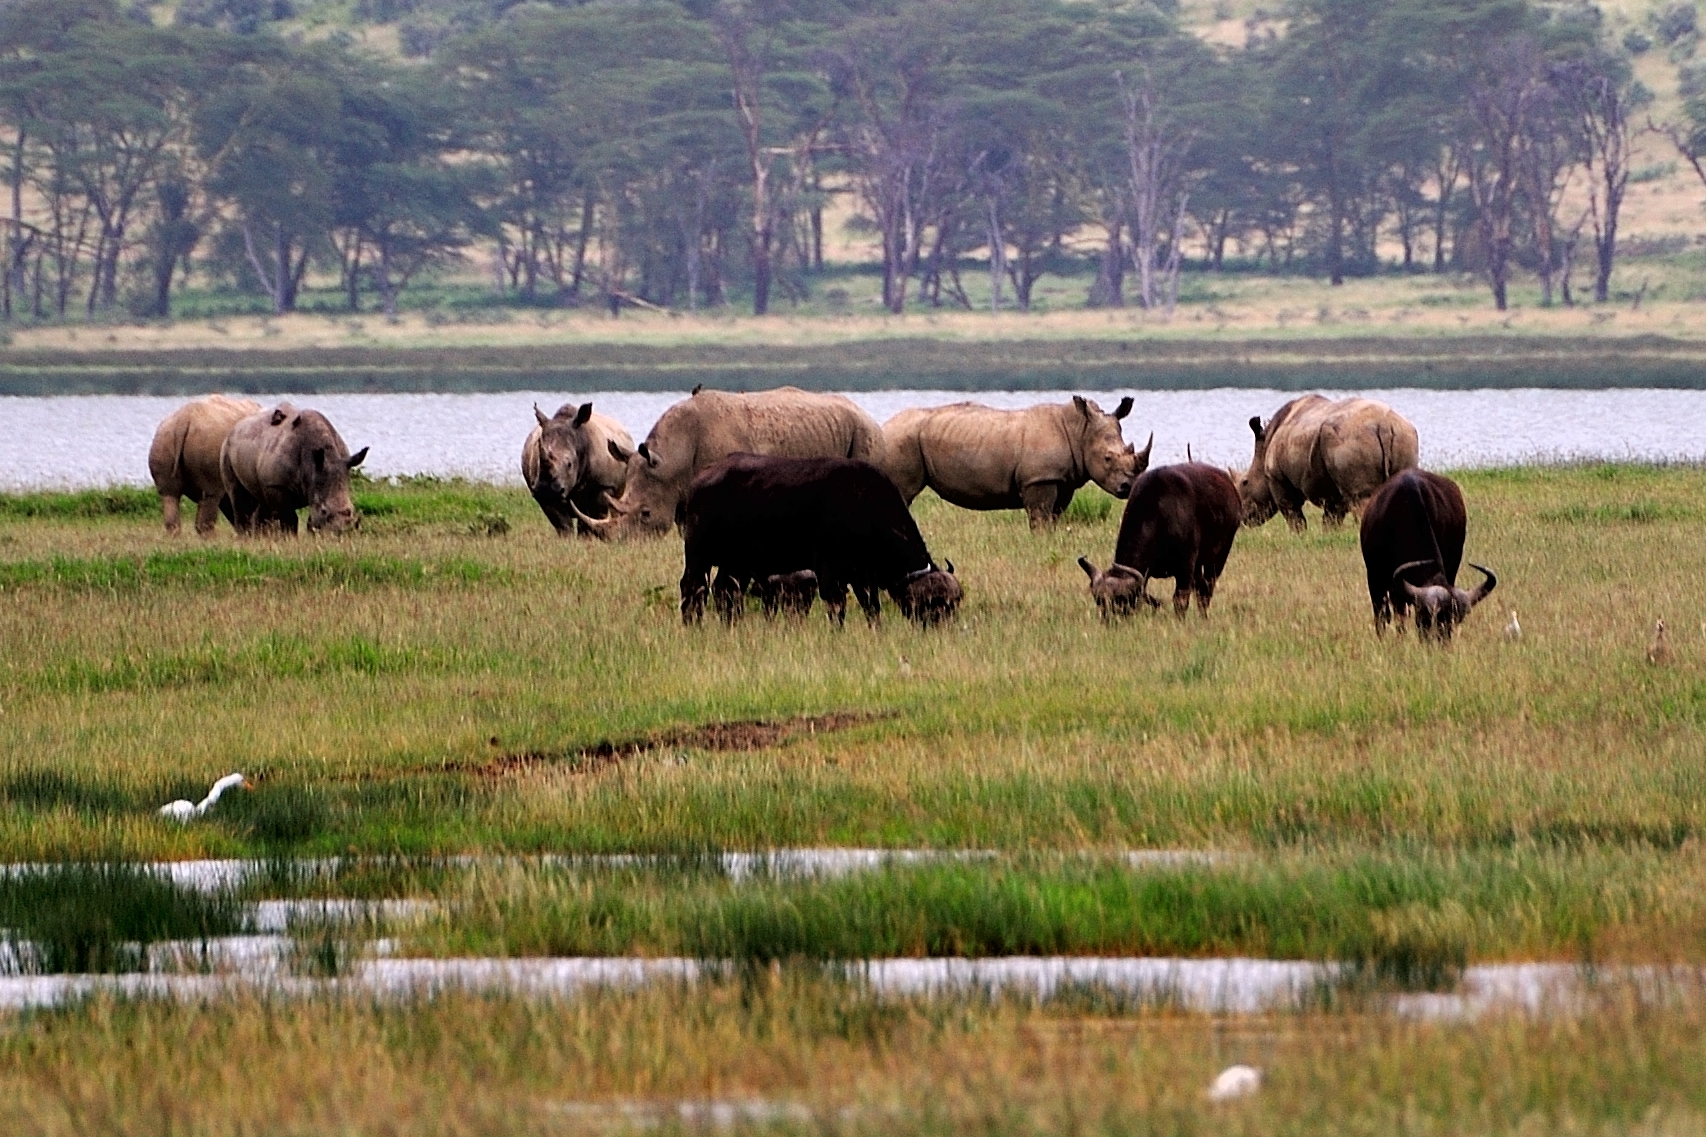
x=1481 y=590
x=950 y=565
x=1089 y=569
x=1407 y=566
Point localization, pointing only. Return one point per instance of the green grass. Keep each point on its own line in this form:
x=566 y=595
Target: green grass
x=1413 y=917
x=118 y=501
x=101 y=917
x=227 y=568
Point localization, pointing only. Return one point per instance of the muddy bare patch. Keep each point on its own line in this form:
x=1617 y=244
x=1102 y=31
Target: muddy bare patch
x=747 y=734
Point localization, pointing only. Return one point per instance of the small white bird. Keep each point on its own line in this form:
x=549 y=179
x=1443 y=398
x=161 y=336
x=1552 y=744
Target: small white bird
x=1513 y=630
x=1235 y=1082
x=905 y=666
x=182 y=810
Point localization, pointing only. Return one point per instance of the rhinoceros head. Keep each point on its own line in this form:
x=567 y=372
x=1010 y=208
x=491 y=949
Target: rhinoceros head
x=1109 y=459
x=322 y=465
x=1255 y=490
x=563 y=443
x=1119 y=591
x=1440 y=605
x=649 y=504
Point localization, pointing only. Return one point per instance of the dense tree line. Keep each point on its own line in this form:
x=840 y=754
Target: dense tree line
x=650 y=152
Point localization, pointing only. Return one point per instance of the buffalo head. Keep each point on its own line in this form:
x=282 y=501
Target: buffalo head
x=1441 y=606
x=1111 y=461
x=1120 y=590
x=929 y=595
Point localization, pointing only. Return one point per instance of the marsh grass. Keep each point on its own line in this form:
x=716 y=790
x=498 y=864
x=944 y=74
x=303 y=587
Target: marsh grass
x=615 y=1061
x=101 y=917
x=1412 y=918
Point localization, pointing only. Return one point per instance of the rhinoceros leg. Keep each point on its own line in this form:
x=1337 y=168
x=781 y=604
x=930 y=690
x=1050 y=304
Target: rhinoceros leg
x=170 y=511
x=1043 y=504
x=207 y=515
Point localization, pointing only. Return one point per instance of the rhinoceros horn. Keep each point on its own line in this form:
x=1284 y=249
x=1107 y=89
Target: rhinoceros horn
x=1143 y=455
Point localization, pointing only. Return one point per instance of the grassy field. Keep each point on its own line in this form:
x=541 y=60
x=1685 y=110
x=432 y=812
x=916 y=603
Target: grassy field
x=454 y=679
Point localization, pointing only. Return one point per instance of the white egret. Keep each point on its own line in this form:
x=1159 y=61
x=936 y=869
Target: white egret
x=182 y=810
x=1235 y=1082
x=1513 y=630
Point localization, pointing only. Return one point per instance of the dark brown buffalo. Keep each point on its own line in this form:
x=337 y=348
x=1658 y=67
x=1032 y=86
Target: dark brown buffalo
x=753 y=517
x=1180 y=522
x=1412 y=546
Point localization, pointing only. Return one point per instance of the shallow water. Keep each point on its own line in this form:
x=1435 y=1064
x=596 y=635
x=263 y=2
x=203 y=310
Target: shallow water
x=250 y=965
x=99 y=440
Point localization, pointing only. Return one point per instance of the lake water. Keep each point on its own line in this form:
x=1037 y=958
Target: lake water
x=100 y=440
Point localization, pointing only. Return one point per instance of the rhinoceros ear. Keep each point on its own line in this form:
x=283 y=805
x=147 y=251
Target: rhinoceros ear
x=540 y=415
x=1083 y=407
x=1124 y=408
x=1256 y=426
x=278 y=415
x=616 y=451
x=357 y=458
x=697 y=387
x=582 y=415
x=651 y=459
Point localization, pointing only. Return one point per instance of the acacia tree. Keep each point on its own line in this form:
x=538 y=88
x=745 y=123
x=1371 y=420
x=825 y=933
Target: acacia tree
x=1158 y=149
x=1603 y=97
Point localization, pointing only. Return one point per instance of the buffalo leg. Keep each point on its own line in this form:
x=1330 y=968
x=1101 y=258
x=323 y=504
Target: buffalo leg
x=1040 y=504
x=730 y=594
x=695 y=583
x=870 y=601
x=170 y=511
x=834 y=594
x=206 y=516
x=1205 y=594
x=287 y=522
x=1182 y=596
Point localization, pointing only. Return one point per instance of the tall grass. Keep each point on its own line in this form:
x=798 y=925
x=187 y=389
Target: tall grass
x=217 y=567
x=821 y=1057
x=1414 y=918
x=101 y=917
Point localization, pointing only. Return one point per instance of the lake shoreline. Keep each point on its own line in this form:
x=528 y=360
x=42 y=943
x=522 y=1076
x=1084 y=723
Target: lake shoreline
x=878 y=364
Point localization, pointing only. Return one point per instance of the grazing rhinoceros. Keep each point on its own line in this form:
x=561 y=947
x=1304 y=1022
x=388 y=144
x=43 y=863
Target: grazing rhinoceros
x=753 y=518
x=978 y=457
x=184 y=459
x=568 y=458
x=1334 y=454
x=1412 y=546
x=275 y=462
x=706 y=427
x=1180 y=523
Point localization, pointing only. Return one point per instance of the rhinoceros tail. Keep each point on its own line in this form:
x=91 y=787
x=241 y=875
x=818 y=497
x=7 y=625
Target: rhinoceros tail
x=1385 y=454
